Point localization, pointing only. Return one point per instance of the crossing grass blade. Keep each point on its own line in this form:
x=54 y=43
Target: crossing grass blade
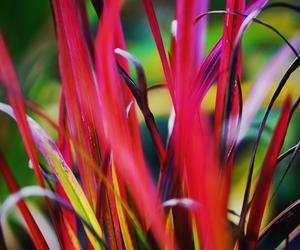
x=63 y=173
x=35 y=233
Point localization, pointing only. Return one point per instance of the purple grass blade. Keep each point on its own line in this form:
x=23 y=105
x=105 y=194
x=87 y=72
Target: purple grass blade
x=200 y=32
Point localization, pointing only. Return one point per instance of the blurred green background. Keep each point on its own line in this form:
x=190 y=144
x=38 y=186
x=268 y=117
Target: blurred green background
x=29 y=32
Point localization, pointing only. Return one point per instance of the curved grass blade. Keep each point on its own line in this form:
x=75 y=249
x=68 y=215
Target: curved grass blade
x=100 y=172
x=234 y=60
x=280 y=227
x=182 y=202
x=293 y=157
x=212 y=67
x=287 y=153
x=141 y=77
x=283 y=5
x=34 y=231
x=266 y=176
x=276 y=93
x=253 y=101
x=140 y=95
x=30 y=191
x=267 y=76
x=68 y=181
x=9 y=79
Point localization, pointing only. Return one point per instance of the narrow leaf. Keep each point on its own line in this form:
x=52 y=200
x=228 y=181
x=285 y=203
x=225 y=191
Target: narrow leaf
x=266 y=176
x=66 y=177
x=34 y=231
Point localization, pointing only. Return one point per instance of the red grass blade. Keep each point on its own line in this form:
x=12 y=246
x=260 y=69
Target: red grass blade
x=183 y=83
x=65 y=176
x=185 y=45
x=79 y=88
x=130 y=166
x=207 y=74
x=231 y=28
x=265 y=180
x=209 y=69
x=8 y=78
x=159 y=42
x=34 y=231
x=85 y=25
x=203 y=183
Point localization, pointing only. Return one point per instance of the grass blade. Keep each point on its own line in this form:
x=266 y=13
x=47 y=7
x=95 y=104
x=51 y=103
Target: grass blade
x=34 y=231
x=130 y=166
x=63 y=173
x=123 y=224
x=267 y=75
x=231 y=28
x=10 y=81
x=79 y=83
x=282 y=225
x=265 y=179
x=8 y=78
x=148 y=5
x=30 y=191
x=281 y=84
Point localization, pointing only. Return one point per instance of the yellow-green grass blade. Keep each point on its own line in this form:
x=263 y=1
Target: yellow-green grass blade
x=73 y=190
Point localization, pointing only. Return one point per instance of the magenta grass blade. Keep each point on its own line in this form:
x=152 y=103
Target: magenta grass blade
x=255 y=5
x=200 y=33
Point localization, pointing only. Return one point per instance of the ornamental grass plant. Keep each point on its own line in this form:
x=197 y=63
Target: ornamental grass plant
x=97 y=186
